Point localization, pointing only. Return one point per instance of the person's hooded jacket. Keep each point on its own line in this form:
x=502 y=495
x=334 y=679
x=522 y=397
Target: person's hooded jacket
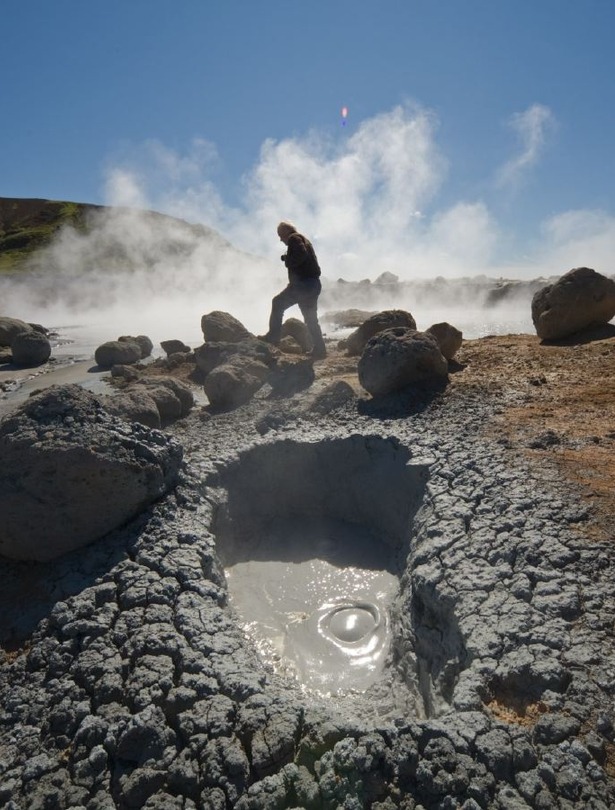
x=300 y=258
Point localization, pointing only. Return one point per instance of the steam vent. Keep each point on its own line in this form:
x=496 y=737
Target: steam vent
x=377 y=606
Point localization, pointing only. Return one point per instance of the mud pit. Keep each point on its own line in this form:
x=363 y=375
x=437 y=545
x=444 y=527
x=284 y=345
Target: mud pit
x=313 y=538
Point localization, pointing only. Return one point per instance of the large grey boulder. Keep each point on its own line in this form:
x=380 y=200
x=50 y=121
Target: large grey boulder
x=30 y=348
x=10 y=328
x=580 y=299
x=70 y=473
x=449 y=338
x=118 y=352
x=388 y=319
x=399 y=357
x=234 y=382
x=220 y=326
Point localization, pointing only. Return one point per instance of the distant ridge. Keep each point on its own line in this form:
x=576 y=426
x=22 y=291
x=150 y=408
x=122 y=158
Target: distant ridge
x=29 y=224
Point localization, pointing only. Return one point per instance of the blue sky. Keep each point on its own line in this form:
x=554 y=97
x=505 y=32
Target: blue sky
x=479 y=135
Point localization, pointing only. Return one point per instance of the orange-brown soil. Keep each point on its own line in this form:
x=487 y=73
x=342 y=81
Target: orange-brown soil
x=564 y=413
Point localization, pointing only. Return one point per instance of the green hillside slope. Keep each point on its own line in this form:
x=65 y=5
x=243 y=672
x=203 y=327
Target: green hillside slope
x=28 y=225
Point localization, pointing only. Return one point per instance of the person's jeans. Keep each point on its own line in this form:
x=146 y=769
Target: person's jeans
x=305 y=294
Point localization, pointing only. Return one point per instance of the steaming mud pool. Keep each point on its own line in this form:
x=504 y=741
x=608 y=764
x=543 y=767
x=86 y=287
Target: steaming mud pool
x=312 y=536
x=376 y=607
x=327 y=624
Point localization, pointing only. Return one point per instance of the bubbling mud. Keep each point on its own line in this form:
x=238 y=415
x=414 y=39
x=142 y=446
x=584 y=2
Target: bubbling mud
x=322 y=620
x=313 y=537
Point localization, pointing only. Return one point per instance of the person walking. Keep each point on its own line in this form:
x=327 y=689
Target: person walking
x=303 y=289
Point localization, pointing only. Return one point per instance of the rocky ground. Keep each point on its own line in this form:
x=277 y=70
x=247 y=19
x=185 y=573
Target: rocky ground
x=126 y=681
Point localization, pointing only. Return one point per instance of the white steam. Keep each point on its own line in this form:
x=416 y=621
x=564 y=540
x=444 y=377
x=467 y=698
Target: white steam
x=532 y=128
x=368 y=200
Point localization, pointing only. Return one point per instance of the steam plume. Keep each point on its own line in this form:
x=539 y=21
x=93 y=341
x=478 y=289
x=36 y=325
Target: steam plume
x=373 y=202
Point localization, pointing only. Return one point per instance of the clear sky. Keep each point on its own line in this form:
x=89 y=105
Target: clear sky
x=479 y=134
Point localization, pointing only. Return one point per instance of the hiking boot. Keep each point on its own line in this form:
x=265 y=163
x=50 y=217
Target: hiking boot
x=317 y=354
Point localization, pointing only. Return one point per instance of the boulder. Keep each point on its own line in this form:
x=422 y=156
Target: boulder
x=234 y=382
x=153 y=401
x=170 y=347
x=10 y=328
x=399 y=357
x=388 y=319
x=333 y=396
x=221 y=327
x=579 y=300
x=174 y=399
x=135 y=405
x=70 y=473
x=348 y=318
x=291 y=375
x=143 y=341
x=126 y=373
x=212 y=354
x=30 y=348
x=297 y=330
x=288 y=345
x=175 y=360
x=449 y=338
x=387 y=278
x=117 y=353
x=39 y=328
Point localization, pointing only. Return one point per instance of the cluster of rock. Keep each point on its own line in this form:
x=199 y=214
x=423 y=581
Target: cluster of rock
x=395 y=355
x=437 y=291
x=234 y=364
x=75 y=466
x=152 y=400
x=25 y=344
x=126 y=349
x=392 y=353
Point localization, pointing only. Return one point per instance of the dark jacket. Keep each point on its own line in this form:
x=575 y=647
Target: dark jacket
x=300 y=259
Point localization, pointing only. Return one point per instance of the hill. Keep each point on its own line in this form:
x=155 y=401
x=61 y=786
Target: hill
x=29 y=225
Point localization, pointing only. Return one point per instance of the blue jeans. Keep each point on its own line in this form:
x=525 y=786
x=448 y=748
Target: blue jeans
x=305 y=294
